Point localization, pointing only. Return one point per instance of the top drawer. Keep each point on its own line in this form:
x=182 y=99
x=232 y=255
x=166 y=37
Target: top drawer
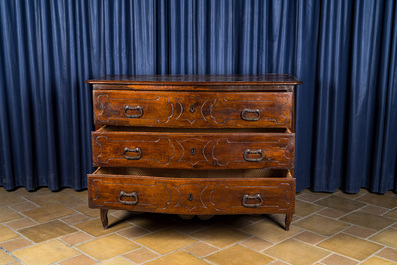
x=193 y=110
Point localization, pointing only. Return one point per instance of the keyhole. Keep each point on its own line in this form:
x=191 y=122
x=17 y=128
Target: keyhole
x=190 y=197
x=193 y=151
x=192 y=108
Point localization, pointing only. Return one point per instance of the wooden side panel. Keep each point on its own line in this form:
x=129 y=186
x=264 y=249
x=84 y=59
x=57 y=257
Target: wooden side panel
x=193 y=110
x=193 y=150
x=193 y=196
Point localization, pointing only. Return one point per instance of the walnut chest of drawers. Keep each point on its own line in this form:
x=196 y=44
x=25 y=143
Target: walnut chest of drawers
x=194 y=145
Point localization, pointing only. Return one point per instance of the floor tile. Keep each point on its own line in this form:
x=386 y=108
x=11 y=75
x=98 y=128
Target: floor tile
x=24 y=206
x=387 y=237
x=303 y=208
x=178 y=258
x=93 y=213
x=187 y=227
x=239 y=255
x=79 y=260
x=76 y=238
x=392 y=214
x=154 y=222
x=368 y=220
x=378 y=261
x=47 y=231
x=75 y=218
x=311 y=197
x=351 y=196
x=141 y=255
x=133 y=232
x=166 y=241
x=340 y=204
x=279 y=262
x=335 y=259
x=388 y=253
x=94 y=226
x=373 y=209
x=220 y=236
x=201 y=249
x=45 y=253
x=321 y=225
x=350 y=246
x=107 y=247
x=359 y=231
x=5 y=258
x=296 y=252
x=118 y=261
x=236 y=221
x=48 y=212
x=15 y=244
x=20 y=223
x=309 y=237
x=256 y=243
x=50 y=198
x=7 y=214
x=6 y=234
x=379 y=200
x=74 y=202
x=79 y=194
x=271 y=231
x=8 y=198
x=332 y=213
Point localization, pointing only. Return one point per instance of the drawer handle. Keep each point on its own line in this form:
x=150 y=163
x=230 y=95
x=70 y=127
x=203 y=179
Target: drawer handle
x=126 y=108
x=135 y=150
x=124 y=194
x=245 y=111
x=250 y=197
x=248 y=152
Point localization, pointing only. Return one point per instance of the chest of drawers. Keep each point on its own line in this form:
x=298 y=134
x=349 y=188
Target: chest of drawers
x=194 y=145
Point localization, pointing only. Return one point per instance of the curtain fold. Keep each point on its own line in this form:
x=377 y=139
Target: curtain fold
x=345 y=52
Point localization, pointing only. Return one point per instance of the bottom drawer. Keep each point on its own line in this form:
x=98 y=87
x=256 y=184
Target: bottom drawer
x=193 y=192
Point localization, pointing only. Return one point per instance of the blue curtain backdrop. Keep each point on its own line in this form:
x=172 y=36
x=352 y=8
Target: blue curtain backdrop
x=343 y=51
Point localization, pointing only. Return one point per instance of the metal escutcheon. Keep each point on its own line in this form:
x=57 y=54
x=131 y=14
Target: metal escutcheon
x=252 y=197
x=246 y=111
x=139 y=108
x=135 y=150
x=248 y=152
x=124 y=194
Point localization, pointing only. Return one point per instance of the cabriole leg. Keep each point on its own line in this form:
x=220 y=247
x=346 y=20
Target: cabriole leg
x=288 y=219
x=104 y=218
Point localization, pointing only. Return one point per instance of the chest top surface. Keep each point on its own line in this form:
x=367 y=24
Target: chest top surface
x=176 y=82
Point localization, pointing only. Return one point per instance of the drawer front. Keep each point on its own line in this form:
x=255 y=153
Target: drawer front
x=193 y=150
x=192 y=196
x=193 y=110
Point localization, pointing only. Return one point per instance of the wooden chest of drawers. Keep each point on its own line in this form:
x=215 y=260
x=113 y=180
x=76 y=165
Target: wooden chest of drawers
x=194 y=145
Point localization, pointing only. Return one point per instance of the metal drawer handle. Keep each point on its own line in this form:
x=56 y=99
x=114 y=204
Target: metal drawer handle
x=245 y=111
x=126 y=108
x=135 y=150
x=250 y=197
x=248 y=152
x=124 y=194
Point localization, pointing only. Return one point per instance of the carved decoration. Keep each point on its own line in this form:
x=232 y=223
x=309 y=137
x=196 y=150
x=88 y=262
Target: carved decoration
x=191 y=150
x=235 y=107
x=162 y=143
x=108 y=108
x=156 y=202
x=223 y=197
x=191 y=109
x=190 y=196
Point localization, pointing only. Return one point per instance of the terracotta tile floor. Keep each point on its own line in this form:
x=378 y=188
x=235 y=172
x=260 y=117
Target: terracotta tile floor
x=45 y=227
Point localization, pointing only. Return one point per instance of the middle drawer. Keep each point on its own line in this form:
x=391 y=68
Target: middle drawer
x=215 y=149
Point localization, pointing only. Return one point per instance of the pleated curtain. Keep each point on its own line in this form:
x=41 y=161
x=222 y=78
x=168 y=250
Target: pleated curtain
x=343 y=50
